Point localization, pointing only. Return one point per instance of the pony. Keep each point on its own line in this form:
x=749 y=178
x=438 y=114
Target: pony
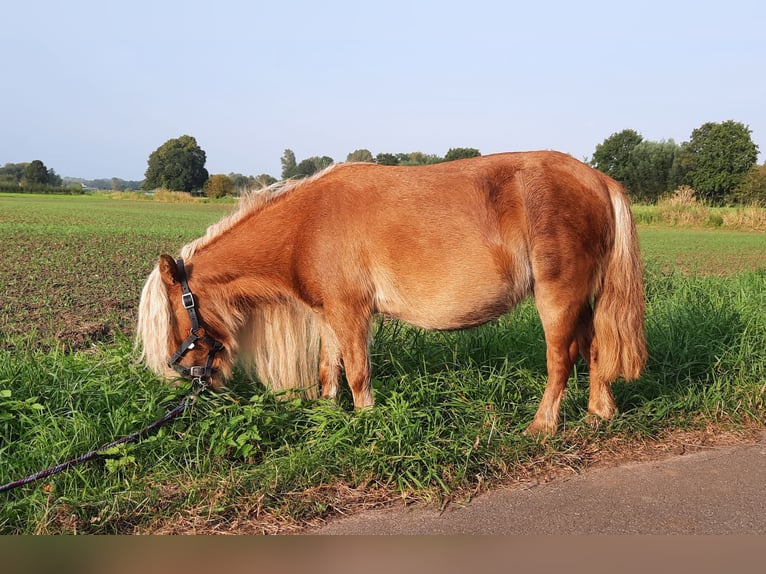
x=290 y=282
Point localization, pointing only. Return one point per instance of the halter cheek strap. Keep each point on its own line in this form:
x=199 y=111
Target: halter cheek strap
x=201 y=372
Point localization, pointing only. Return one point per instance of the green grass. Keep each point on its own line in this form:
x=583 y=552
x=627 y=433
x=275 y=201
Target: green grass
x=450 y=407
x=702 y=251
x=74 y=266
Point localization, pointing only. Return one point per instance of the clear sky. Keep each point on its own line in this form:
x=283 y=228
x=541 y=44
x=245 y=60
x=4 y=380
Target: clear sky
x=91 y=88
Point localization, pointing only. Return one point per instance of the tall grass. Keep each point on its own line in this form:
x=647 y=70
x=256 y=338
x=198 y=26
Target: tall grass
x=450 y=408
x=164 y=196
x=683 y=209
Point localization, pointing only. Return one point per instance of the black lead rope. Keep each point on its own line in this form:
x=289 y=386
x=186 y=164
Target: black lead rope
x=180 y=408
x=200 y=375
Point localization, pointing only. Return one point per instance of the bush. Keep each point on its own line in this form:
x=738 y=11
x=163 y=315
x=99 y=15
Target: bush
x=683 y=195
x=11 y=187
x=218 y=185
x=683 y=208
x=752 y=188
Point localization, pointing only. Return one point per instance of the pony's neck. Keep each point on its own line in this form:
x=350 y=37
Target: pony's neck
x=249 y=261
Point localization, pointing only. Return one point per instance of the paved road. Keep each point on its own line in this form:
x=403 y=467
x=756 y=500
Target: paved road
x=717 y=491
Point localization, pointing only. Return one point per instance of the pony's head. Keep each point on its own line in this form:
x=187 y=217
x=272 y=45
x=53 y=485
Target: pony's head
x=177 y=330
x=274 y=336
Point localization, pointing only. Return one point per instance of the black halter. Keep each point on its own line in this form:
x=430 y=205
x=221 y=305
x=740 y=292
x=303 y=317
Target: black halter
x=201 y=373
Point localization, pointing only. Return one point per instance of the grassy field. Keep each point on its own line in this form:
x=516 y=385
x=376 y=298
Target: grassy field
x=450 y=406
x=75 y=265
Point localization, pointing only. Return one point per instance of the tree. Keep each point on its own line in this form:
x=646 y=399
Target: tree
x=288 y=164
x=178 y=164
x=363 y=155
x=418 y=158
x=386 y=159
x=243 y=183
x=752 y=188
x=651 y=170
x=54 y=180
x=612 y=156
x=461 y=153
x=12 y=172
x=263 y=180
x=717 y=158
x=311 y=165
x=35 y=173
x=218 y=185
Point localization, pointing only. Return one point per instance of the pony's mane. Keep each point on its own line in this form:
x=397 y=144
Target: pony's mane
x=251 y=202
x=154 y=323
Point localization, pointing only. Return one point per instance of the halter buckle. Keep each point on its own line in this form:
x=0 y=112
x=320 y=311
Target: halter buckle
x=187 y=300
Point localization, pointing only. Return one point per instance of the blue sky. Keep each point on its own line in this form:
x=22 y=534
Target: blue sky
x=93 y=87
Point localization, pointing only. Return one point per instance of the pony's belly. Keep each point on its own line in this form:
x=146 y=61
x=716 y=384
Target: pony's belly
x=461 y=285
x=447 y=310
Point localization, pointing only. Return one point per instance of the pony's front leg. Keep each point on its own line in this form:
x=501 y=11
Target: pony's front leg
x=357 y=364
x=329 y=362
x=352 y=336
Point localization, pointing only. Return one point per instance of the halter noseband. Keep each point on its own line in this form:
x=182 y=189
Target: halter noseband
x=198 y=372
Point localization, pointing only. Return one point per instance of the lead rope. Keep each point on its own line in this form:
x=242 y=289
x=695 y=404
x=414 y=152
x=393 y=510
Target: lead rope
x=132 y=437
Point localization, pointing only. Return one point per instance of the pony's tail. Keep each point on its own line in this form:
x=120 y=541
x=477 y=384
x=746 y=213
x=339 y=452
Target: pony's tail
x=281 y=347
x=619 y=311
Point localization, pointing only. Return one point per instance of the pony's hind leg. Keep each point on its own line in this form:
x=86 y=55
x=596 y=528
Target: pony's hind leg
x=600 y=400
x=560 y=316
x=584 y=334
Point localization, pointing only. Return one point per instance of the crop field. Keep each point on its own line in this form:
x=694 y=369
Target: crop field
x=450 y=407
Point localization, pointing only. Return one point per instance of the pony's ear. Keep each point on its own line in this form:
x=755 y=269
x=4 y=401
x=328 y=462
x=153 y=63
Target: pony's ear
x=169 y=270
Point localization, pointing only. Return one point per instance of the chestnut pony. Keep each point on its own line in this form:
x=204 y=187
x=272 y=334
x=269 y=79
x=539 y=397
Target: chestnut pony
x=289 y=283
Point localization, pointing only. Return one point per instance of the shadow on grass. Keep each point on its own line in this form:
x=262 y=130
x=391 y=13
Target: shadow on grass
x=705 y=338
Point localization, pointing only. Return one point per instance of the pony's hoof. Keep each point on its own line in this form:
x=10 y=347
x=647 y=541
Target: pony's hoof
x=594 y=421
x=540 y=430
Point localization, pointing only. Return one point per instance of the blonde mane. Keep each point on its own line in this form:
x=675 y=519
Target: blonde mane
x=154 y=326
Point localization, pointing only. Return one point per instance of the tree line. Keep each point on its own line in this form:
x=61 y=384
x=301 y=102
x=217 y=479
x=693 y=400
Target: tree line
x=309 y=166
x=719 y=162
x=179 y=164
x=35 y=177
x=29 y=175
